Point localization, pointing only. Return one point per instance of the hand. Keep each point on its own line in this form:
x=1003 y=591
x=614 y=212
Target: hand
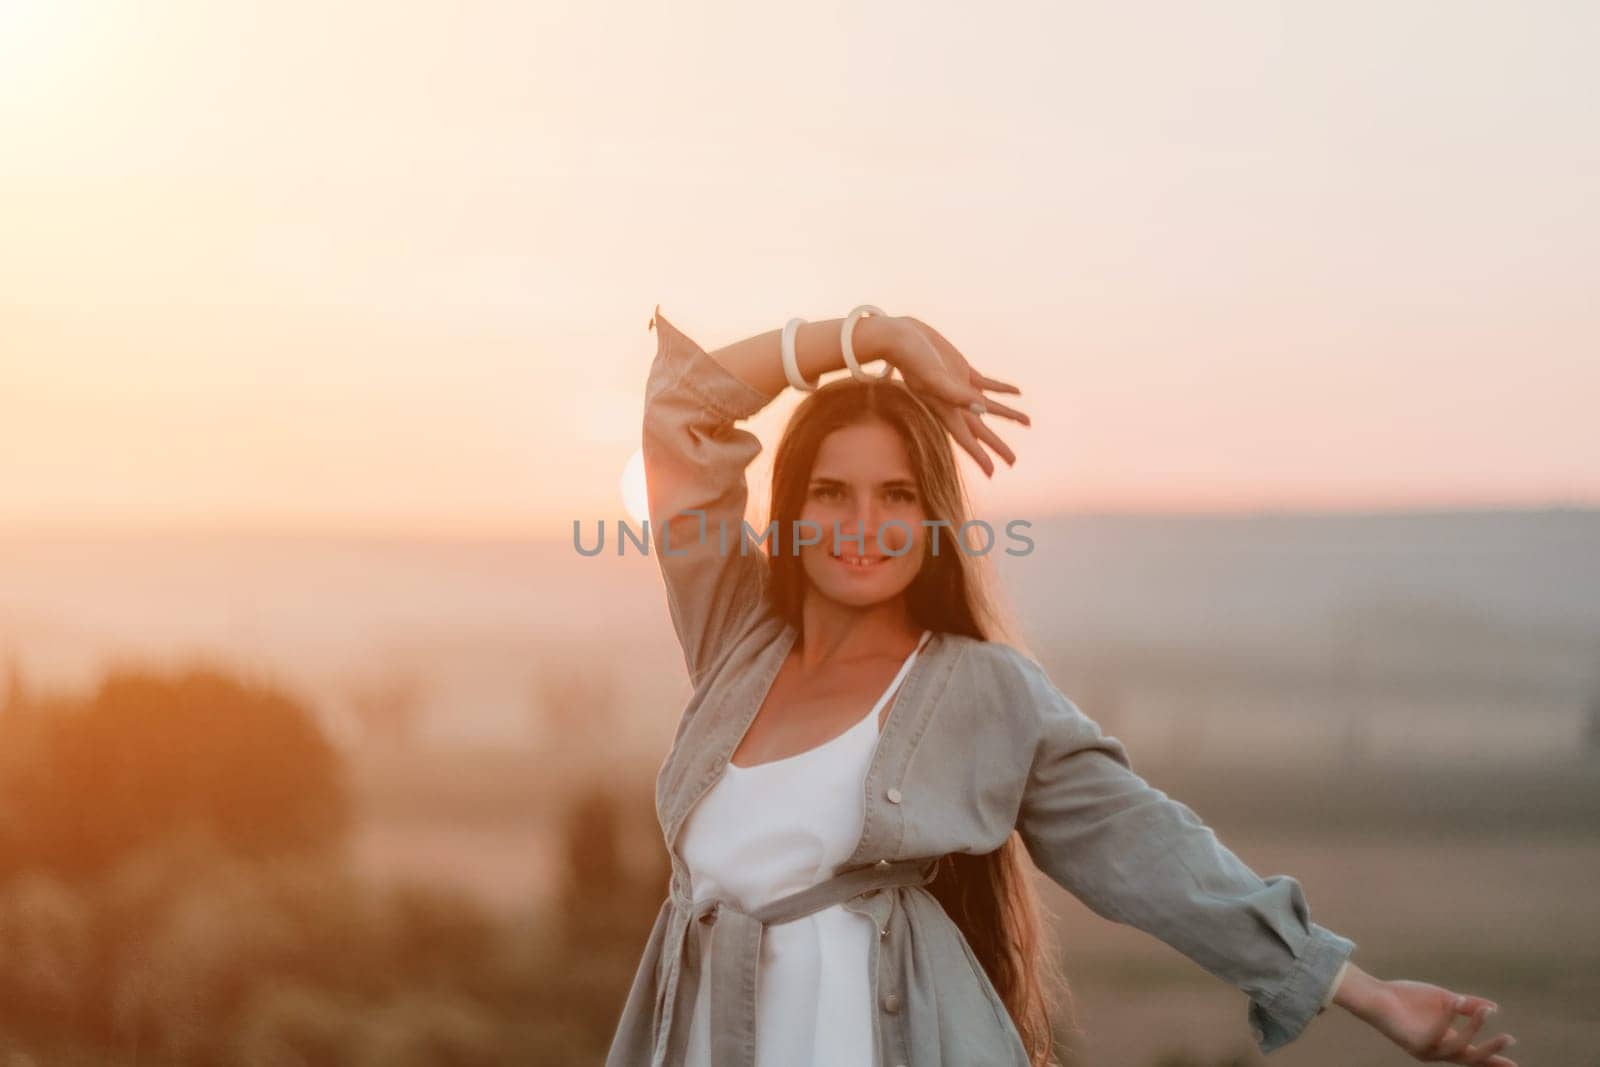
x=1420 y=1018
x=939 y=375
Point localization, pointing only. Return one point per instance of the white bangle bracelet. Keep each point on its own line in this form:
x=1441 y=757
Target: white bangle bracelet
x=849 y=350
x=791 y=363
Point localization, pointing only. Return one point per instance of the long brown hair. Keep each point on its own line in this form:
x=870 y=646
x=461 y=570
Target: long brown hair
x=991 y=897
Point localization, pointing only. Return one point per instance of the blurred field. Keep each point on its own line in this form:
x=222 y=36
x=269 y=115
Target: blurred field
x=1480 y=877
x=498 y=817
x=1402 y=712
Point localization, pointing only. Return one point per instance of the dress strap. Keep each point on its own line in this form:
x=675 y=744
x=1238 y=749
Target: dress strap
x=905 y=668
x=900 y=676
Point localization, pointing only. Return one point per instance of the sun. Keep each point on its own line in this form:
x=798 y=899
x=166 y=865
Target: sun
x=28 y=35
x=635 y=500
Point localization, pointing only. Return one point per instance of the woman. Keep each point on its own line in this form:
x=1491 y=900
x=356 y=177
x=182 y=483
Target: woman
x=849 y=887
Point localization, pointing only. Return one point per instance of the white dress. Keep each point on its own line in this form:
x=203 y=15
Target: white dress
x=771 y=829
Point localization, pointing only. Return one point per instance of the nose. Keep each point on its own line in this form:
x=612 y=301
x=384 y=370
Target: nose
x=868 y=516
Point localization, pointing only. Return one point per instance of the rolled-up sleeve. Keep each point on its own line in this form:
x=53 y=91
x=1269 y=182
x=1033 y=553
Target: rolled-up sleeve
x=695 y=457
x=1134 y=855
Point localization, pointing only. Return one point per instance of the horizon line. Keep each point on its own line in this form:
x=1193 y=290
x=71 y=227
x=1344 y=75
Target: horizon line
x=182 y=528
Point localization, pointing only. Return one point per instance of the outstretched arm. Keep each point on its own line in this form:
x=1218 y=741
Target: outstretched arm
x=1134 y=855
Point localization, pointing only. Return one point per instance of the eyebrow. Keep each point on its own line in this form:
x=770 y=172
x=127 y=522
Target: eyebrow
x=892 y=483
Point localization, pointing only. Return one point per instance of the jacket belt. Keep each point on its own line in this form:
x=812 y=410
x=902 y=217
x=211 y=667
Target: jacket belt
x=734 y=953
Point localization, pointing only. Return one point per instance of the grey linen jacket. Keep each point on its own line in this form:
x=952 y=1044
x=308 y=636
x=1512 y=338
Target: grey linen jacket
x=978 y=742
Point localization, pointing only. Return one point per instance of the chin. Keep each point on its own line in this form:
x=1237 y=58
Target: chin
x=857 y=598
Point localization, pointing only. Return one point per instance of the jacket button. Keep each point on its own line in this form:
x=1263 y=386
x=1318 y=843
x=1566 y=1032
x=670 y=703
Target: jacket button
x=883 y=933
x=893 y=794
x=891 y=1003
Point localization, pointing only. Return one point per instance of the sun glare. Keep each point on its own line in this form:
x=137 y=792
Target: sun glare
x=634 y=498
x=22 y=31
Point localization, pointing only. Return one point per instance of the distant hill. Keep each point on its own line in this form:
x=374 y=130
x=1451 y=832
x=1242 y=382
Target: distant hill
x=1496 y=596
x=1426 y=586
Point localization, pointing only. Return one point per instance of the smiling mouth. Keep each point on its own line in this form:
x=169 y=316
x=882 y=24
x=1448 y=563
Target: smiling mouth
x=859 y=563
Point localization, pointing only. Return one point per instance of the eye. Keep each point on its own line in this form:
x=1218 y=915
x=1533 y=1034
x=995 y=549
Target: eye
x=902 y=496
x=825 y=492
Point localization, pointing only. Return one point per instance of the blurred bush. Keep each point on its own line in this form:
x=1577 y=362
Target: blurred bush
x=173 y=891
x=148 y=756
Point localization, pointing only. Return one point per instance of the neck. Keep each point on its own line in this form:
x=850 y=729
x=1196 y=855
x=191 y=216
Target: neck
x=832 y=632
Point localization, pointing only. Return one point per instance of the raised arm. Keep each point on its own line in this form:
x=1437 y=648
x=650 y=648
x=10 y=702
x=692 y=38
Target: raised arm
x=695 y=459
x=1136 y=856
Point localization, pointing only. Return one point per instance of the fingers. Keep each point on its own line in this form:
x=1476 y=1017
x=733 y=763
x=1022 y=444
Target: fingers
x=964 y=437
x=951 y=390
x=964 y=424
x=989 y=437
x=1456 y=1047
x=1452 y=1043
x=1486 y=1052
x=993 y=385
x=994 y=407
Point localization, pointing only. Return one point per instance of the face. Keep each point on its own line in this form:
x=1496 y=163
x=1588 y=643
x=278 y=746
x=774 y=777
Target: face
x=861 y=480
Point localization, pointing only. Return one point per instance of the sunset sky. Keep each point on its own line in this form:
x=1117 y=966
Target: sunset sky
x=369 y=266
